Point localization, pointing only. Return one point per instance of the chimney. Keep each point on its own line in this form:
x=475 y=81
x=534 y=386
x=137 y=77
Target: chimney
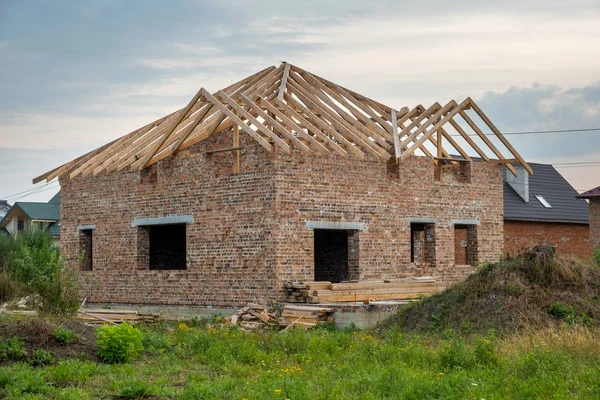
x=519 y=183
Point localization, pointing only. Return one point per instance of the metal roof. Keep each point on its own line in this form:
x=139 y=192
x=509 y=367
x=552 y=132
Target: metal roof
x=548 y=183
x=591 y=193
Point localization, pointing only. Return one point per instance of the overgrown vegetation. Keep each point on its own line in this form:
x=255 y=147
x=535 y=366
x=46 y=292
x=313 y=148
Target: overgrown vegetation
x=597 y=255
x=208 y=360
x=30 y=264
x=529 y=291
x=119 y=344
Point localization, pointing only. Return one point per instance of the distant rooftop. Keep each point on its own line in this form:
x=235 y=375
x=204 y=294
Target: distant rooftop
x=591 y=193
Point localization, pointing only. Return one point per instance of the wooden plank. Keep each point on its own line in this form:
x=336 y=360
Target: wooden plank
x=291 y=113
x=337 y=122
x=341 y=114
x=276 y=125
x=309 y=309
x=379 y=133
x=292 y=125
x=238 y=121
x=487 y=141
x=397 y=148
x=142 y=163
x=242 y=112
x=468 y=139
x=284 y=79
x=326 y=127
x=455 y=110
x=236 y=154
x=374 y=297
x=500 y=136
x=410 y=284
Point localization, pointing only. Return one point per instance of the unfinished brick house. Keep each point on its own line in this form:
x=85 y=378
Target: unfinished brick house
x=283 y=176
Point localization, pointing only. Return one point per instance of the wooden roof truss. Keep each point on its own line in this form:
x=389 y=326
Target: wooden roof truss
x=287 y=108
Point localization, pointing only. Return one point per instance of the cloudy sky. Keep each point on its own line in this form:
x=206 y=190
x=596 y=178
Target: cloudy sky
x=77 y=74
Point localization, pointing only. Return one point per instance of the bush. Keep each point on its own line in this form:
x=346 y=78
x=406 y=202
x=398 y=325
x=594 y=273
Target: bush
x=36 y=262
x=597 y=255
x=119 y=344
x=562 y=312
x=15 y=350
x=64 y=335
x=41 y=357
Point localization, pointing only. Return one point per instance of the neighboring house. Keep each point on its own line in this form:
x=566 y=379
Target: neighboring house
x=544 y=209
x=23 y=214
x=4 y=208
x=594 y=198
x=282 y=176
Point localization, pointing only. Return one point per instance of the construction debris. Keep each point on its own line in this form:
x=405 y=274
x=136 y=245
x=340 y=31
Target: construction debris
x=363 y=291
x=100 y=317
x=255 y=316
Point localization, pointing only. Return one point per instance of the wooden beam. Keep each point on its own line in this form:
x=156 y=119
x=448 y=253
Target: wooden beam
x=487 y=141
x=237 y=120
x=142 y=163
x=500 y=136
x=240 y=111
x=275 y=124
x=292 y=125
x=236 y=154
x=305 y=120
x=397 y=148
x=286 y=73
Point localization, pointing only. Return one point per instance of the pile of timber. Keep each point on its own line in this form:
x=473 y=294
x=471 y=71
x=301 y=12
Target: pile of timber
x=367 y=291
x=255 y=316
x=305 y=316
x=298 y=291
x=100 y=317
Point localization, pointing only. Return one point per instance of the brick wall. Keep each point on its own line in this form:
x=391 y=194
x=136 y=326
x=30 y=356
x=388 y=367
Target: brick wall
x=384 y=197
x=249 y=233
x=595 y=221
x=570 y=239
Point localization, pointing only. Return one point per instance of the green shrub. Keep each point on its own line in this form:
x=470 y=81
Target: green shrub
x=15 y=350
x=562 y=312
x=119 y=344
x=40 y=358
x=36 y=262
x=64 y=335
x=597 y=255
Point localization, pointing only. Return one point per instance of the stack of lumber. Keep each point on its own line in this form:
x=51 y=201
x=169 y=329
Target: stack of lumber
x=366 y=291
x=298 y=291
x=100 y=317
x=254 y=316
x=305 y=316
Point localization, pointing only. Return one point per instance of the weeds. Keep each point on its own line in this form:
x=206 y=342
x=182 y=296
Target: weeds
x=64 y=335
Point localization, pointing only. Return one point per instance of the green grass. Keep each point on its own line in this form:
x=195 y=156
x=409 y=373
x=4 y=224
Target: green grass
x=206 y=362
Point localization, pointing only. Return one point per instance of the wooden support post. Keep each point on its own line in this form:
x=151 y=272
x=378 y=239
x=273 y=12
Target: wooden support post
x=439 y=144
x=236 y=153
x=397 y=148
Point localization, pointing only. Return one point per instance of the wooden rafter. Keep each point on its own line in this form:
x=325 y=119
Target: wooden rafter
x=291 y=109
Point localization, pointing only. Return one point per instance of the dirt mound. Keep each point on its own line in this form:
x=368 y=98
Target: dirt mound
x=37 y=334
x=532 y=290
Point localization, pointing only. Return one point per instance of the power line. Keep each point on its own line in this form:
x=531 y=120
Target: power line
x=536 y=132
x=553 y=131
x=577 y=163
x=40 y=190
x=26 y=191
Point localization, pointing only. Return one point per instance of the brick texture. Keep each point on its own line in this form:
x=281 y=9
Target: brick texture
x=249 y=233
x=570 y=239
